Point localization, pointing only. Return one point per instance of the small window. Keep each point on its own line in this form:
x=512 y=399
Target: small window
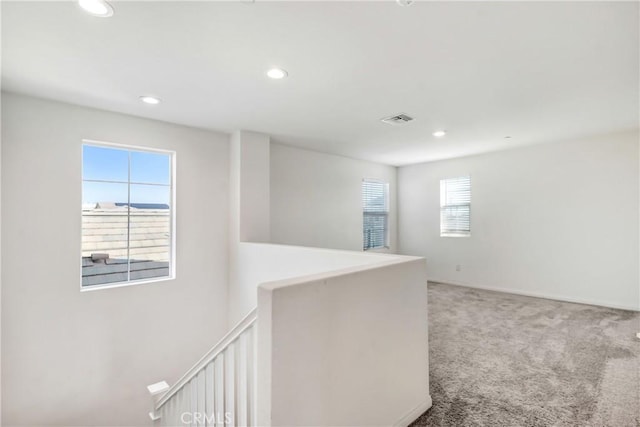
x=127 y=215
x=375 y=207
x=455 y=207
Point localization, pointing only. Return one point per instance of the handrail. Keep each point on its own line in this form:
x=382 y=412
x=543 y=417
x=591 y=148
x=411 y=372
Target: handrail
x=230 y=337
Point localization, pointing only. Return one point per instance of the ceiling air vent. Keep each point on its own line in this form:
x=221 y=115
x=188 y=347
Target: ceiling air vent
x=398 y=119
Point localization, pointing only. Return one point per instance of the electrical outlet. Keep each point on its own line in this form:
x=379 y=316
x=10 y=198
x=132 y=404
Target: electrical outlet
x=458 y=268
x=638 y=335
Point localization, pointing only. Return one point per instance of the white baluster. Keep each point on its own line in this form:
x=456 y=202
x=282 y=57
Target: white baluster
x=187 y=404
x=229 y=385
x=241 y=380
x=209 y=405
x=201 y=398
x=182 y=397
x=220 y=394
x=251 y=376
x=194 y=401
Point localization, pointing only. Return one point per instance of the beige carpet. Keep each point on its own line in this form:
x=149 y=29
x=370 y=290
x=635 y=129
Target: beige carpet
x=505 y=360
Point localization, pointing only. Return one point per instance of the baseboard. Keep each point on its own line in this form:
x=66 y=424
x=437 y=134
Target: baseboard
x=537 y=295
x=413 y=414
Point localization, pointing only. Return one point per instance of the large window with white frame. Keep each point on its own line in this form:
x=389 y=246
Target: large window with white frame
x=375 y=214
x=127 y=215
x=455 y=207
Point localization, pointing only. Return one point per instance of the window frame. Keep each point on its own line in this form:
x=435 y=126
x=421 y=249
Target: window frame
x=172 y=221
x=442 y=206
x=386 y=214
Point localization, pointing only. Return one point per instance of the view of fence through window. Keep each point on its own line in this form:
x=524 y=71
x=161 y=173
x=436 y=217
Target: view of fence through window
x=375 y=210
x=126 y=214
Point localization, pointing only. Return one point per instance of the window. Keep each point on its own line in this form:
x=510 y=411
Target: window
x=127 y=215
x=375 y=207
x=455 y=207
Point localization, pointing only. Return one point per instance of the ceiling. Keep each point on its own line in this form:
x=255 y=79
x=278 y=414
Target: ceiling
x=535 y=71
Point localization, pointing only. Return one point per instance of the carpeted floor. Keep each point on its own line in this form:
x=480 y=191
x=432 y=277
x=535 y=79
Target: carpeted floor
x=505 y=360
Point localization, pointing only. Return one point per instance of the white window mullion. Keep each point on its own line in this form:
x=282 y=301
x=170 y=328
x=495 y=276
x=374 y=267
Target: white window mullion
x=129 y=219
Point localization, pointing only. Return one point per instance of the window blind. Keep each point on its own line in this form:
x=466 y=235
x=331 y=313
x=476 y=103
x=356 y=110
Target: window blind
x=455 y=206
x=375 y=207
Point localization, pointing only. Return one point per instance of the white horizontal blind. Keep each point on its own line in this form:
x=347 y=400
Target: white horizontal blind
x=455 y=206
x=375 y=208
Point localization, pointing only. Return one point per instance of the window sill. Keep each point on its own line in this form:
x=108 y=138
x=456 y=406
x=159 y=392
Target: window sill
x=377 y=248
x=456 y=235
x=125 y=284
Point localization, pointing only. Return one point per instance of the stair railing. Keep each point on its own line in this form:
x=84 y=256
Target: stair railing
x=220 y=389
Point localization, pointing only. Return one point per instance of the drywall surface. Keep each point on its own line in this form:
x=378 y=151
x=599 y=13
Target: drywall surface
x=85 y=358
x=258 y=263
x=249 y=162
x=316 y=198
x=0 y=240
x=249 y=212
x=356 y=354
x=557 y=220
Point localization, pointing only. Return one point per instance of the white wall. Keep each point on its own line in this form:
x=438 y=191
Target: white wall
x=1 y=133
x=356 y=354
x=249 y=177
x=85 y=358
x=257 y=263
x=558 y=220
x=249 y=212
x=316 y=198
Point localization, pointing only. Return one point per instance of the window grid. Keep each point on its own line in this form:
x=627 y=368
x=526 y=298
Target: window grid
x=145 y=269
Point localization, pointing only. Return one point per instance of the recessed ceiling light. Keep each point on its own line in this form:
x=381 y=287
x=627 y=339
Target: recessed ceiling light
x=507 y=137
x=277 y=73
x=439 y=133
x=98 y=8
x=404 y=2
x=150 y=100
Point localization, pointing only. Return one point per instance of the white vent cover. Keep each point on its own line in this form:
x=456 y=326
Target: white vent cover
x=398 y=119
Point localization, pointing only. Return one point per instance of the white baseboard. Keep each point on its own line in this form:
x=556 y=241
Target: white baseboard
x=413 y=414
x=537 y=295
